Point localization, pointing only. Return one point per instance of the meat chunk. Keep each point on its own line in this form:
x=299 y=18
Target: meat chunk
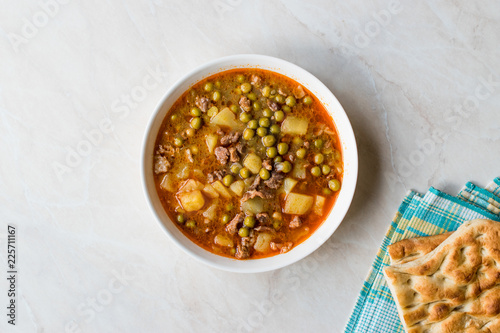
x=264 y=229
x=295 y=222
x=161 y=164
x=202 y=102
x=267 y=165
x=165 y=150
x=299 y=92
x=255 y=80
x=282 y=92
x=255 y=184
x=222 y=155
x=233 y=155
x=255 y=193
x=245 y=104
x=275 y=181
x=273 y=105
x=239 y=147
x=286 y=247
x=307 y=144
x=232 y=226
x=230 y=138
x=263 y=218
x=243 y=248
x=189 y=155
x=217 y=174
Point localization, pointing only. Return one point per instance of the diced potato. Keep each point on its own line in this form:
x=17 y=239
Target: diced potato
x=253 y=206
x=299 y=169
x=167 y=183
x=319 y=203
x=238 y=187
x=221 y=189
x=211 y=140
x=190 y=185
x=300 y=233
x=183 y=173
x=253 y=163
x=191 y=201
x=262 y=242
x=226 y=118
x=210 y=191
x=209 y=213
x=298 y=204
x=289 y=184
x=223 y=240
x=294 y=126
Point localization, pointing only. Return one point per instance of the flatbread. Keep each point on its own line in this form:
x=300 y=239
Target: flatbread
x=413 y=248
x=453 y=288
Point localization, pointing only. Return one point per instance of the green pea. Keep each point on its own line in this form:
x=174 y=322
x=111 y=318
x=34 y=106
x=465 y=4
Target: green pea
x=228 y=180
x=178 y=141
x=334 y=185
x=279 y=116
x=261 y=131
x=269 y=140
x=279 y=99
x=278 y=159
x=282 y=148
x=245 y=117
x=190 y=224
x=235 y=168
x=174 y=117
x=275 y=129
x=180 y=218
x=264 y=174
x=297 y=141
x=325 y=169
x=256 y=106
x=196 y=122
x=232 y=251
x=264 y=122
x=327 y=191
x=249 y=221
x=229 y=207
x=218 y=84
x=290 y=101
x=287 y=167
x=252 y=96
x=301 y=153
x=225 y=219
x=253 y=124
x=233 y=108
x=319 y=158
x=266 y=91
x=244 y=173
x=248 y=134
x=246 y=87
x=240 y=78
x=216 y=96
x=286 y=108
x=195 y=112
x=307 y=100
x=273 y=92
x=237 y=91
x=209 y=86
x=316 y=171
x=243 y=232
x=318 y=143
x=267 y=112
x=271 y=152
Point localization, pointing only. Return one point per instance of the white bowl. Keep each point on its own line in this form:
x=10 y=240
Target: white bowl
x=349 y=152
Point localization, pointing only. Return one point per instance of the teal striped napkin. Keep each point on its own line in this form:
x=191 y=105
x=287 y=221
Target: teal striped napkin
x=419 y=215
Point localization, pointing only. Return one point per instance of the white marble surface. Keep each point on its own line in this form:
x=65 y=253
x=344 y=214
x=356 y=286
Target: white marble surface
x=91 y=257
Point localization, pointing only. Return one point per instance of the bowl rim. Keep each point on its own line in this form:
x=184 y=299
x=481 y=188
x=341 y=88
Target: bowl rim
x=348 y=191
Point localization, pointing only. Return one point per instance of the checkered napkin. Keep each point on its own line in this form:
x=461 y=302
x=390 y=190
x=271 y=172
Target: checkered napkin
x=419 y=215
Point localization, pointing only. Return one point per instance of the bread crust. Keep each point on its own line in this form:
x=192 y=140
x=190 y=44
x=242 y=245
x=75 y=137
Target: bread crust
x=413 y=248
x=453 y=288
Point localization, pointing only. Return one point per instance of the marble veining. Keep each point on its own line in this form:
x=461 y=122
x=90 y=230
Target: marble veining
x=419 y=81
